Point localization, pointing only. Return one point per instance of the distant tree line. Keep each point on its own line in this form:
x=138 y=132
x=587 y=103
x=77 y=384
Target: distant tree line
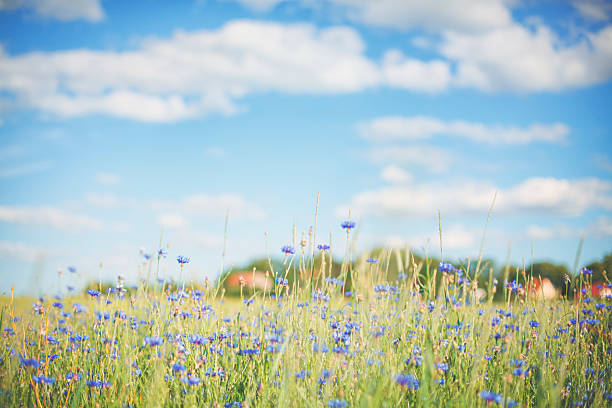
x=393 y=263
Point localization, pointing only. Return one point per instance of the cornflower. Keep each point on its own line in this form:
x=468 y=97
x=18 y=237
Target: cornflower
x=42 y=379
x=182 y=260
x=491 y=397
x=347 y=225
x=287 y=250
x=408 y=381
x=154 y=341
x=445 y=267
x=93 y=292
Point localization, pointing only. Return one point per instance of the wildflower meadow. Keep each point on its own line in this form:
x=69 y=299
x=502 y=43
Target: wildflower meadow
x=386 y=329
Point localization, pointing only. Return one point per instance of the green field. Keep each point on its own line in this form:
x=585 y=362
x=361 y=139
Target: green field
x=358 y=338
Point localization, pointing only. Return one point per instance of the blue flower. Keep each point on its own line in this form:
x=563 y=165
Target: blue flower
x=442 y=367
x=337 y=403
x=154 y=341
x=43 y=379
x=178 y=367
x=322 y=247
x=94 y=383
x=300 y=375
x=248 y=352
x=31 y=362
x=586 y=271
x=445 y=267
x=408 y=381
x=372 y=260
x=52 y=340
x=73 y=376
x=513 y=286
x=534 y=324
x=182 y=260
x=347 y=225
x=491 y=397
x=93 y=292
x=287 y=250
x=334 y=281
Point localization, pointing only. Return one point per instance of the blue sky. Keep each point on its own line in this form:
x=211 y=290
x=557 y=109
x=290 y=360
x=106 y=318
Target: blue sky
x=120 y=120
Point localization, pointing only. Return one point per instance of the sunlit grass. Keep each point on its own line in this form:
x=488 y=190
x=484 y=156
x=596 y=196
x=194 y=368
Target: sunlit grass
x=360 y=338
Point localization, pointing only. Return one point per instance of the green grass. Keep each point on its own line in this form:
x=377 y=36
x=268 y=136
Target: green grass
x=349 y=349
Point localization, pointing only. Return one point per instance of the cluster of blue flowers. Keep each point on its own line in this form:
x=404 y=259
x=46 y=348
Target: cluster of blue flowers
x=334 y=281
x=199 y=349
x=407 y=380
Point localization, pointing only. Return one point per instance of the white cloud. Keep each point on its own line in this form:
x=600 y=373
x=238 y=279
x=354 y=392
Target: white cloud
x=209 y=205
x=104 y=200
x=196 y=239
x=602 y=227
x=171 y=220
x=23 y=252
x=48 y=216
x=539 y=232
x=490 y=50
x=453 y=238
x=260 y=5
x=545 y=196
x=63 y=10
x=557 y=196
x=596 y=10
x=433 y=159
x=393 y=128
x=433 y=15
x=395 y=174
x=602 y=161
x=520 y=59
x=191 y=74
x=108 y=178
x=409 y=73
x=24 y=169
x=171 y=213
